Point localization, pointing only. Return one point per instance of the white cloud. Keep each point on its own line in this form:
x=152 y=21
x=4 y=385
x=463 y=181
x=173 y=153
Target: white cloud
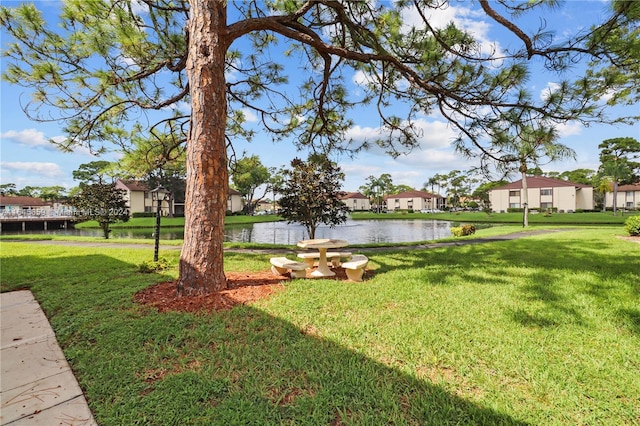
x=465 y=18
x=249 y=115
x=434 y=155
x=31 y=138
x=36 y=139
x=128 y=62
x=549 y=90
x=431 y=135
x=360 y=78
x=42 y=169
x=183 y=107
x=139 y=7
x=608 y=95
x=569 y=129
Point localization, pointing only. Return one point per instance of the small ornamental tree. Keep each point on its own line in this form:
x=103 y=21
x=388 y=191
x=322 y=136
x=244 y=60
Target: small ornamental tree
x=310 y=194
x=247 y=175
x=102 y=202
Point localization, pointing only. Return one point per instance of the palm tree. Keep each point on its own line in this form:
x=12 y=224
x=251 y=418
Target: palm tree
x=527 y=143
x=605 y=184
x=617 y=170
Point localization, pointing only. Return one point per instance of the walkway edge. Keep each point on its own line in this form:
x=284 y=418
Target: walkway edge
x=38 y=386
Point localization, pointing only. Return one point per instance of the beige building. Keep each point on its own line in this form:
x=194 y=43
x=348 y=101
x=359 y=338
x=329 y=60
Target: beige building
x=356 y=201
x=234 y=202
x=137 y=196
x=543 y=193
x=18 y=205
x=414 y=200
x=139 y=199
x=628 y=197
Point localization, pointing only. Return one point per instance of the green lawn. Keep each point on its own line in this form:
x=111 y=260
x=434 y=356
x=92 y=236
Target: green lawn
x=541 y=330
x=471 y=217
x=590 y=218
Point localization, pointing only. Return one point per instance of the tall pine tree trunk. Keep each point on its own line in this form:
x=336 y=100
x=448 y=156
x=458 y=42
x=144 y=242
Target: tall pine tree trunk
x=201 y=261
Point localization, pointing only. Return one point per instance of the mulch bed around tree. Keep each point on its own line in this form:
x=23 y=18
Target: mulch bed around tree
x=242 y=288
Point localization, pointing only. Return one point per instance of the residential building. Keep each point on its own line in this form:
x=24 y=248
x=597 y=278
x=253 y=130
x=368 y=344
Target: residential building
x=268 y=207
x=543 y=193
x=628 y=197
x=23 y=206
x=355 y=201
x=137 y=196
x=414 y=200
x=139 y=199
x=234 y=202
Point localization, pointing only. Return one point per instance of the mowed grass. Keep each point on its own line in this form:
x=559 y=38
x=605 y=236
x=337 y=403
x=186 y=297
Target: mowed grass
x=540 y=330
x=585 y=218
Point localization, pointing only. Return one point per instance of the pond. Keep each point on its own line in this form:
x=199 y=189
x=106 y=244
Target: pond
x=354 y=231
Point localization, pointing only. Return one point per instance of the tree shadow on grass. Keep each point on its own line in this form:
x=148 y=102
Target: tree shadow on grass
x=240 y=366
x=257 y=369
x=542 y=261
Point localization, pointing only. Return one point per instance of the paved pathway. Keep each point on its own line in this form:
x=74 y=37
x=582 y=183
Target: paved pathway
x=37 y=386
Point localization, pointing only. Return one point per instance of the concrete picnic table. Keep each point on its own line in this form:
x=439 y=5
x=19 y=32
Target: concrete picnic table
x=322 y=245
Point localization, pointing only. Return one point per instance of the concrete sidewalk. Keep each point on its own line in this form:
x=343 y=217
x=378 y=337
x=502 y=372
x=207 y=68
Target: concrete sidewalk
x=37 y=386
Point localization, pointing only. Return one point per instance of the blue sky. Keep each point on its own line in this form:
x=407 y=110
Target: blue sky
x=27 y=158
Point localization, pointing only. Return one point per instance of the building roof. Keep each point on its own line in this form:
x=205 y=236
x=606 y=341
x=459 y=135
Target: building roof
x=353 y=195
x=134 y=185
x=411 y=194
x=542 y=182
x=22 y=201
x=630 y=187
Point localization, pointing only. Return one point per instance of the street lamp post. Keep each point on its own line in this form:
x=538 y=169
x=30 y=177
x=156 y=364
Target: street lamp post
x=524 y=215
x=158 y=195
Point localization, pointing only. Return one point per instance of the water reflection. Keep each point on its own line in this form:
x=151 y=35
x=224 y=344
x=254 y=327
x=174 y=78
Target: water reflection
x=356 y=232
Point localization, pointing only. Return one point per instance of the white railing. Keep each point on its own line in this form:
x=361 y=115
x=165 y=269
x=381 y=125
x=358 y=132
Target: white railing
x=37 y=214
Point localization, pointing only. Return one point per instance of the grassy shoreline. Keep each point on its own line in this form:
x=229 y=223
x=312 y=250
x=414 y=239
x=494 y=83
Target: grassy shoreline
x=540 y=330
x=481 y=233
x=597 y=218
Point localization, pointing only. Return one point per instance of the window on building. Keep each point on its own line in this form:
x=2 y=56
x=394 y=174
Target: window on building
x=515 y=193
x=514 y=205
x=546 y=191
x=545 y=206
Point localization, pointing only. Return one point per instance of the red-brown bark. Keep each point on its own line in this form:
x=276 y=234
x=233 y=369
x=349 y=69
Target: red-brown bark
x=202 y=258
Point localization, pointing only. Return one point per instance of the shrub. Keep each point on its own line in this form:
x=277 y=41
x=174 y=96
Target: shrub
x=468 y=229
x=143 y=214
x=462 y=231
x=632 y=226
x=149 y=266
